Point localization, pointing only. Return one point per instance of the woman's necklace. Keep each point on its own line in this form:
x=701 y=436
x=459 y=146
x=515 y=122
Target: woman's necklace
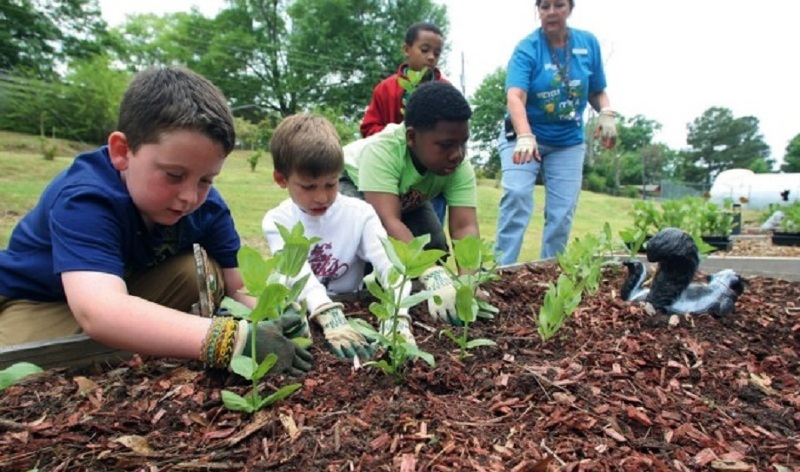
x=563 y=72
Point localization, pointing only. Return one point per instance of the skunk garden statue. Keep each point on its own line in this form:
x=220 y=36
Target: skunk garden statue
x=672 y=290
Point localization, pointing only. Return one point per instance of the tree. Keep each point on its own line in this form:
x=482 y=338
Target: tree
x=489 y=108
x=719 y=141
x=36 y=35
x=284 y=56
x=791 y=160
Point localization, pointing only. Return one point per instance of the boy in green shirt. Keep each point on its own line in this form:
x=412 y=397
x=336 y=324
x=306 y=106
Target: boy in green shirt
x=401 y=168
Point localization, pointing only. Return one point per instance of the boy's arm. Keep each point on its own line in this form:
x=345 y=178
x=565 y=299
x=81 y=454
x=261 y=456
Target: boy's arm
x=374 y=117
x=387 y=206
x=234 y=287
x=113 y=317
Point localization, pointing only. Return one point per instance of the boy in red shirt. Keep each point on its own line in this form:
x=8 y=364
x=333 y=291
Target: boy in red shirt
x=423 y=47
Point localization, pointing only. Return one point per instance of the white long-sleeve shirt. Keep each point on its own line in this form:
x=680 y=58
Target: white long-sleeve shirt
x=349 y=233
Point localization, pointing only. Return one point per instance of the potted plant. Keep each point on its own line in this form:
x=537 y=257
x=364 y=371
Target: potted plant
x=788 y=232
x=709 y=224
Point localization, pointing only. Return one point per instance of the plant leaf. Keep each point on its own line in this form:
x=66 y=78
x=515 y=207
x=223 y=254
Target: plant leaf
x=235 y=402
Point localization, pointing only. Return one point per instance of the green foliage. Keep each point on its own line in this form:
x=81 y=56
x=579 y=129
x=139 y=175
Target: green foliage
x=272 y=282
x=696 y=216
x=791 y=160
x=253 y=159
x=720 y=141
x=489 y=109
x=476 y=258
x=347 y=128
x=791 y=218
x=36 y=37
x=16 y=372
x=48 y=149
x=409 y=261
x=581 y=264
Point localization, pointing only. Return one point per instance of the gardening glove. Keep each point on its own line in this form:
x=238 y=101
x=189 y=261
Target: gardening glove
x=341 y=338
x=301 y=330
x=403 y=327
x=270 y=339
x=437 y=281
x=607 y=128
x=526 y=149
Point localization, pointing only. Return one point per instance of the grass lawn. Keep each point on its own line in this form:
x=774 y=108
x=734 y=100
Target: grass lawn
x=24 y=174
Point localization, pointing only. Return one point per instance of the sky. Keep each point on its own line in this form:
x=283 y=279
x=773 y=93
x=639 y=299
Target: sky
x=669 y=60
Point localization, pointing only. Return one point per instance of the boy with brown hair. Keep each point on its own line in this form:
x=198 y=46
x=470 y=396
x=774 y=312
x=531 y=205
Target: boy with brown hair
x=108 y=248
x=308 y=161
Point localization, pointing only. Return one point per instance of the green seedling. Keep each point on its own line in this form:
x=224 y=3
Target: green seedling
x=272 y=282
x=477 y=260
x=581 y=271
x=16 y=372
x=409 y=261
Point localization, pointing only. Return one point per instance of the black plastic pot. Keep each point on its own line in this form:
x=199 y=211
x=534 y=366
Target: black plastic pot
x=720 y=243
x=786 y=239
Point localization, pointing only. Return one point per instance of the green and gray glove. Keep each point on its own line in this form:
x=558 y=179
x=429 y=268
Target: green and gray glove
x=271 y=339
x=341 y=338
x=437 y=281
x=403 y=327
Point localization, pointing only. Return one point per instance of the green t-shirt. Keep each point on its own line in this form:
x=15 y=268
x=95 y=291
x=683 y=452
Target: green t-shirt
x=382 y=163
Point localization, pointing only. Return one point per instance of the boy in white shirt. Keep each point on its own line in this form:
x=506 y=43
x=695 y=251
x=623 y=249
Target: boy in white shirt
x=308 y=160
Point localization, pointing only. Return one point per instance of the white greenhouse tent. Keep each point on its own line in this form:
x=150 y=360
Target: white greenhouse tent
x=757 y=191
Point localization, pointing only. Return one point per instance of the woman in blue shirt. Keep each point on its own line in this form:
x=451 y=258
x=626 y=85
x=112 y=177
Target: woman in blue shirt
x=552 y=75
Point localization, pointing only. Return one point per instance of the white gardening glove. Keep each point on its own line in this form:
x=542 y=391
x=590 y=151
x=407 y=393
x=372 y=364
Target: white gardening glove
x=403 y=327
x=526 y=149
x=437 y=281
x=607 y=128
x=341 y=338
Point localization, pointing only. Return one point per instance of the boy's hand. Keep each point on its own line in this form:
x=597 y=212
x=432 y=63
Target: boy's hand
x=341 y=338
x=437 y=281
x=270 y=339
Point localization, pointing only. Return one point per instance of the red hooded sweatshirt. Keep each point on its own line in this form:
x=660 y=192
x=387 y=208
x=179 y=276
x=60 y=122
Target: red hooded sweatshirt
x=389 y=100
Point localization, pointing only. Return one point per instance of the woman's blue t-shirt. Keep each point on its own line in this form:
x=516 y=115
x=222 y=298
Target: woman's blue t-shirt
x=555 y=112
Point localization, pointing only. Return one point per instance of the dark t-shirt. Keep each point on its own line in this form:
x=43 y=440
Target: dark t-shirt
x=86 y=221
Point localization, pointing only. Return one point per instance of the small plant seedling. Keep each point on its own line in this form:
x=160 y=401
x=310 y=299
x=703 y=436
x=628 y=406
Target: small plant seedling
x=16 y=372
x=409 y=261
x=272 y=282
x=581 y=264
x=476 y=259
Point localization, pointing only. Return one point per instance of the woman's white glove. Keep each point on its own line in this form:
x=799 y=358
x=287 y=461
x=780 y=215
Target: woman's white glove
x=607 y=128
x=526 y=149
x=341 y=338
x=437 y=281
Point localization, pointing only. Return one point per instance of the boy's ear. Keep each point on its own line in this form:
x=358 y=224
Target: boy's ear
x=411 y=136
x=279 y=179
x=406 y=49
x=118 y=150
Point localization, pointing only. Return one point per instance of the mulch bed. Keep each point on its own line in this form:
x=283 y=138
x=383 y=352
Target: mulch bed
x=616 y=389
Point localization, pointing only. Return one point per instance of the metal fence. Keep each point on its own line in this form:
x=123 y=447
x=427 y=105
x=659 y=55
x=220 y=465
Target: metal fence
x=671 y=190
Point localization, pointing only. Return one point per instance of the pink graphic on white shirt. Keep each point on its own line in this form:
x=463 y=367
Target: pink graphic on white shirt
x=324 y=265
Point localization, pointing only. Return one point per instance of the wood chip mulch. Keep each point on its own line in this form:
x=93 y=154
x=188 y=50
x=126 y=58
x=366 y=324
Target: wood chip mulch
x=616 y=389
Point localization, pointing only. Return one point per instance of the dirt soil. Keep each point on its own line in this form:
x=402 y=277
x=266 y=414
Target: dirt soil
x=616 y=389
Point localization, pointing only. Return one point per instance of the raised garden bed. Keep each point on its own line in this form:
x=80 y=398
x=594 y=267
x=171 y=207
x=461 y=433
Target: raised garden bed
x=616 y=389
